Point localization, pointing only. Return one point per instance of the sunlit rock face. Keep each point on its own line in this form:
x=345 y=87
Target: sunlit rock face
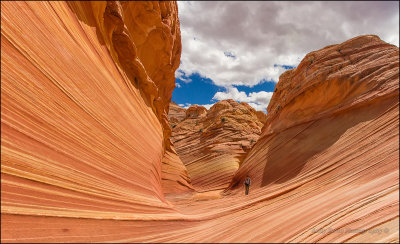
x=85 y=89
x=330 y=145
x=176 y=114
x=212 y=143
x=86 y=154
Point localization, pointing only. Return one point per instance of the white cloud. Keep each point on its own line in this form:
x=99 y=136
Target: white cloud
x=258 y=100
x=177 y=85
x=261 y=34
x=179 y=74
x=187 y=105
x=207 y=106
x=259 y=107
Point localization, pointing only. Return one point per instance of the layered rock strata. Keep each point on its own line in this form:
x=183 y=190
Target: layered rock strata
x=83 y=143
x=212 y=143
x=346 y=191
x=175 y=114
x=85 y=89
x=330 y=146
x=175 y=178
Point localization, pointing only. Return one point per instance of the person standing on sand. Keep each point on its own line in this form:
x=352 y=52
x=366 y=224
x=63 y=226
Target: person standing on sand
x=247 y=183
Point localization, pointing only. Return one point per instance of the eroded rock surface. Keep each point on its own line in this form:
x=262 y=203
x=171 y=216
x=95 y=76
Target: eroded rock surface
x=85 y=89
x=329 y=149
x=86 y=154
x=176 y=114
x=213 y=143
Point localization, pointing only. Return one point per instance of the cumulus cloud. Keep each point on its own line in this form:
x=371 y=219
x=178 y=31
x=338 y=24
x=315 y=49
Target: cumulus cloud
x=258 y=100
x=240 y=43
x=185 y=105
x=177 y=85
x=207 y=106
x=180 y=74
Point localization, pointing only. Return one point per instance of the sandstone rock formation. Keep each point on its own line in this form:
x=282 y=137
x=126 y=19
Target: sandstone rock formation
x=86 y=154
x=213 y=143
x=175 y=178
x=176 y=114
x=330 y=146
x=85 y=89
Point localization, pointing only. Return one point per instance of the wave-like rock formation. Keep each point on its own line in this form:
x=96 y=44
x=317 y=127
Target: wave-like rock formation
x=85 y=90
x=175 y=178
x=86 y=154
x=329 y=151
x=212 y=143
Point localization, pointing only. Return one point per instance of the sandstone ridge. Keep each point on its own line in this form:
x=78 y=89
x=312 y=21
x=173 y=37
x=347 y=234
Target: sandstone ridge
x=331 y=142
x=85 y=91
x=212 y=143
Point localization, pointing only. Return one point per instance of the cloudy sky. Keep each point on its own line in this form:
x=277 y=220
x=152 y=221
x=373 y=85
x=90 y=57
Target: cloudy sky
x=238 y=49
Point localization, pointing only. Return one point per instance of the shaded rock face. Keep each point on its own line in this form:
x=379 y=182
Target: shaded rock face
x=86 y=154
x=213 y=143
x=331 y=142
x=175 y=178
x=85 y=90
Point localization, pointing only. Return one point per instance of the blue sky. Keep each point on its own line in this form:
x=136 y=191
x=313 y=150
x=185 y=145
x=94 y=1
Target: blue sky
x=237 y=50
x=196 y=89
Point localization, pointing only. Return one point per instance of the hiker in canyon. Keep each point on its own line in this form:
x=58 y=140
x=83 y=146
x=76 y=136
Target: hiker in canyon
x=247 y=183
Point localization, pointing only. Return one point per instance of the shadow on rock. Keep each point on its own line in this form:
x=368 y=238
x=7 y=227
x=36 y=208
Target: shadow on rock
x=290 y=150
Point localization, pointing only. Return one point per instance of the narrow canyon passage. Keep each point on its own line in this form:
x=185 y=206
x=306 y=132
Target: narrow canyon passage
x=92 y=150
x=323 y=185
x=213 y=143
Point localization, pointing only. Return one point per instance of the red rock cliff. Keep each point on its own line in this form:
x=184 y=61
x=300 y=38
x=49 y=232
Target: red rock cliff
x=85 y=89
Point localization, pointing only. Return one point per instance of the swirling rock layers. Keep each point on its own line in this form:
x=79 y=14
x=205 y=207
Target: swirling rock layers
x=212 y=143
x=85 y=89
x=175 y=114
x=85 y=151
x=330 y=145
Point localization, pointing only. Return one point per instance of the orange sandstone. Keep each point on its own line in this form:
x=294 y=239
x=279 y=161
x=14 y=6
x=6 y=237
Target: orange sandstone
x=84 y=109
x=175 y=114
x=212 y=143
x=86 y=154
x=328 y=156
